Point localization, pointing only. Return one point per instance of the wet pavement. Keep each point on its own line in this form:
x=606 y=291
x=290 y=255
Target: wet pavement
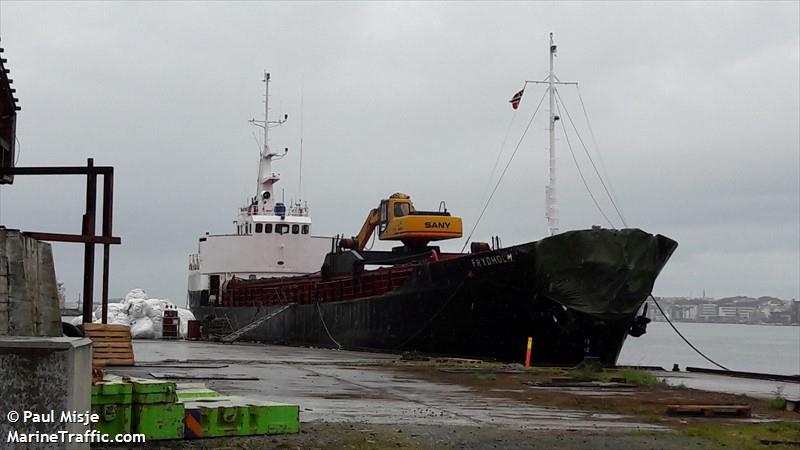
x=719 y=383
x=343 y=386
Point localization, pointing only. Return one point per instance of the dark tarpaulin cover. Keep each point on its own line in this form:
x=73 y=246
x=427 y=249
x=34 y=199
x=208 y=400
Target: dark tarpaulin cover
x=601 y=272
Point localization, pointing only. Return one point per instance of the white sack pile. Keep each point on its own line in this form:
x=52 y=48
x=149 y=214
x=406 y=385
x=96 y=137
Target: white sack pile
x=144 y=315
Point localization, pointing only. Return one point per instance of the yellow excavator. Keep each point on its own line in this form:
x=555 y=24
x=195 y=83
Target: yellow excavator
x=398 y=220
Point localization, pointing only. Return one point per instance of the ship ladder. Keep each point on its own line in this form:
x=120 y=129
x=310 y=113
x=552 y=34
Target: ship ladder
x=252 y=325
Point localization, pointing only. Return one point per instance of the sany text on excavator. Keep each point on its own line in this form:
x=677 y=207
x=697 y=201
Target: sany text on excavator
x=396 y=220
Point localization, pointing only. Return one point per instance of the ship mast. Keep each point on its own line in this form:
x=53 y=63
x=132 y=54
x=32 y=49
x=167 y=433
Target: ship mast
x=266 y=177
x=551 y=208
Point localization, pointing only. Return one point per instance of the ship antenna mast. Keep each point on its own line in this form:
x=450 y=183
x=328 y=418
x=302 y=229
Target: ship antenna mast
x=266 y=177
x=551 y=211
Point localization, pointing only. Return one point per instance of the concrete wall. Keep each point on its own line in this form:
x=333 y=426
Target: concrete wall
x=42 y=374
x=28 y=290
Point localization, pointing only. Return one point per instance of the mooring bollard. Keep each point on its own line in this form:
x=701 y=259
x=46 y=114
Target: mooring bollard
x=528 y=353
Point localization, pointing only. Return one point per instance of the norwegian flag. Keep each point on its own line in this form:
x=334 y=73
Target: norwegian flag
x=516 y=99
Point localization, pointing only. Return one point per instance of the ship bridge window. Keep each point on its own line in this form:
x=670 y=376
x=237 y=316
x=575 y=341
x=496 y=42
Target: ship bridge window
x=305 y=229
x=267 y=228
x=295 y=229
x=259 y=227
x=282 y=228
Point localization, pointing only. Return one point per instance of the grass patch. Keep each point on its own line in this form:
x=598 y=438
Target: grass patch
x=586 y=374
x=777 y=403
x=749 y=436
x=485 y=376
x=650 y=418
x=632 y=376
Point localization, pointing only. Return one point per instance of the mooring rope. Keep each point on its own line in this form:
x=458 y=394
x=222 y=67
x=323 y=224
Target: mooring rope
x=684 y=338
x=322 y=319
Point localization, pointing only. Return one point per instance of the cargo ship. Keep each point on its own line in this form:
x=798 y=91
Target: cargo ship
x=575 y=293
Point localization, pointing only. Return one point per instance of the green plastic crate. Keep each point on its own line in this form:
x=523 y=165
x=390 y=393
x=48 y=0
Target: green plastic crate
x=114 y=419
x=188 y=393
x=158 y=420
x=111 y=401
x=153 y=391
x=111 y=391
x=279 y=418
x=235 y=416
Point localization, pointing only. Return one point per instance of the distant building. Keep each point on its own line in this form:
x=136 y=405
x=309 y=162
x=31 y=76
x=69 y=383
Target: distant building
x=746 y=313
x=728 y=312
x=684 y=312
x=707 y=311
x=738 y=309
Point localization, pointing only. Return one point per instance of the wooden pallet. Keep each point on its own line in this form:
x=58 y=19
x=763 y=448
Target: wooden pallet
x=709 y=410
x=111 y=344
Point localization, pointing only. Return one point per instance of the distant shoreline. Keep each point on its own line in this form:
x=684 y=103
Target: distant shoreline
x=768 y=324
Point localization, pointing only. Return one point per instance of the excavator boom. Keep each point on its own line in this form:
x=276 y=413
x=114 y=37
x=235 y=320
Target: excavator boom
x=373 y=218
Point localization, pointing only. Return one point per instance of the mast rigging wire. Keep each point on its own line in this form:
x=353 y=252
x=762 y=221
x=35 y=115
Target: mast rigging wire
x=586 y=150
x=580 y=172
x=594 y=141
x=300 y=170
x=499 y=154
x=686 y=340
x=503 y=173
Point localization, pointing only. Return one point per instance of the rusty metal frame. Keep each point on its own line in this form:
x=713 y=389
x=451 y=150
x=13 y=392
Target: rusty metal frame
x=88 y=228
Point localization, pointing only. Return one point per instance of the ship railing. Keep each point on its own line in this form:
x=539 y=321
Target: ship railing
x=368 y=284
x=314 y=290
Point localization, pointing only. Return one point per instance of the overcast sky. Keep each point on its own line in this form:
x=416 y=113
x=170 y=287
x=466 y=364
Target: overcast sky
x=695 y=108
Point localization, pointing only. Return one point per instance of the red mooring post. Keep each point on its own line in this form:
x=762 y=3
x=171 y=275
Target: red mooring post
x=528 y=353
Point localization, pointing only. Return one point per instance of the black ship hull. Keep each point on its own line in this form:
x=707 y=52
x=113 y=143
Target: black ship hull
x=576 y=294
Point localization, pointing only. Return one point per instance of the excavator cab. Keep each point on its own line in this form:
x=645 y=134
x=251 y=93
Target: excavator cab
x=394 y=207
x=400 y=221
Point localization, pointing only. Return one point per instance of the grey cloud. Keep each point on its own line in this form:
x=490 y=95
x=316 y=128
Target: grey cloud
x=695 y=106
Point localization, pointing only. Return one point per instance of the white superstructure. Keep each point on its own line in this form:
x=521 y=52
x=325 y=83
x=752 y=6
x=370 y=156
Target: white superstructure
x=270 y=238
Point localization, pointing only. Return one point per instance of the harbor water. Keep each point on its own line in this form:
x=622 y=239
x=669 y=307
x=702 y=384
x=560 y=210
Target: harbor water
x=751 y=348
